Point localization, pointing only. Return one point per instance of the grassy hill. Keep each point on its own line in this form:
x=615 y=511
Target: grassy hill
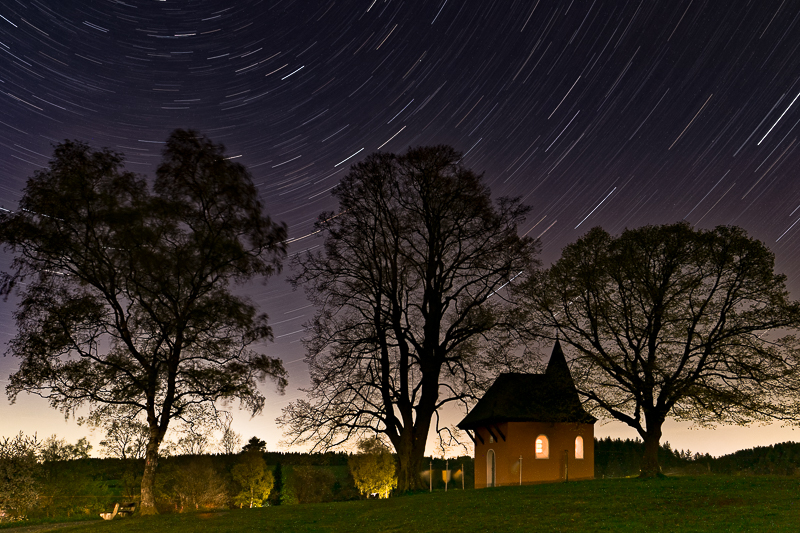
x=686 y=504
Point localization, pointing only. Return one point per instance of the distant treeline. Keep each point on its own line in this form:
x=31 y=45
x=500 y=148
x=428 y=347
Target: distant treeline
x=779 y=459
x=622 y=458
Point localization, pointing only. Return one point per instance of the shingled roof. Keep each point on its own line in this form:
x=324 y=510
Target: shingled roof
x=548 y=397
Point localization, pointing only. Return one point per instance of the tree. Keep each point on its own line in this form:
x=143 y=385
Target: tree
x=195 y=431
x=196 y=484
x=373 y=469
x=126 y=294
x=411 y=314
x=126 y=438
x=255 y=479
x=192 y=443
x=278 y=490
x=668 y=321
x=312 y=484
x=230 y=440
x=19 y=489
x=255 y=445
x=55 y=449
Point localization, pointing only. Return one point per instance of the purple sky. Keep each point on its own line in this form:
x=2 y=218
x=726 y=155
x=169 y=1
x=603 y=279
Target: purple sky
x=597 y=112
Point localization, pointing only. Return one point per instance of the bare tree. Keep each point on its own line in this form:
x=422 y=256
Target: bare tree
x=55 y=449
x=125 y=438
x=230 y=441
x=192 y=443
x=668 y=321
x=409 y=290
x=197 y=485
x=127 y=302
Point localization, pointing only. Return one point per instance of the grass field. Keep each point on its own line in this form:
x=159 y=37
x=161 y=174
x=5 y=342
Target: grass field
x=685 y=504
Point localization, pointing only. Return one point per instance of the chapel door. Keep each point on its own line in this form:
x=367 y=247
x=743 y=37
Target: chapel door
x=491 y=478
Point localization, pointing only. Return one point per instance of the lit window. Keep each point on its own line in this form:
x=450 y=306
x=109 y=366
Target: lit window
x=542 y=447
x=578 y=447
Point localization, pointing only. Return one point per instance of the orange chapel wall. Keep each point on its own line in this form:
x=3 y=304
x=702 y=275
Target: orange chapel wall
x=521 y=441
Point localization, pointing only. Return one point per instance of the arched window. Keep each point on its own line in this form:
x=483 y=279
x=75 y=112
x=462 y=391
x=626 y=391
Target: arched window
x=490 y=469
x=542 y=447
x=578 y=447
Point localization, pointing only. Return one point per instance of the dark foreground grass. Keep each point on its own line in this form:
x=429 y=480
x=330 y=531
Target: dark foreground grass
x=685 y=504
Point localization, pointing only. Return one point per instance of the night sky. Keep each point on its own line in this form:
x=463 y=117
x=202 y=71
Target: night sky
x=596 y=112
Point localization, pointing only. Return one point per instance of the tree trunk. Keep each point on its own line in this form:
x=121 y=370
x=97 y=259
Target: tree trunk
x=652 y=439
x=410 y=453
x=409 y=468
x=147 y=505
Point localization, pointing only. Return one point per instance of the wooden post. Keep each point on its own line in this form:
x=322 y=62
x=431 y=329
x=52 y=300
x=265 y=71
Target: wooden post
x=520 y=470
x=430 y=472
x=446 y=473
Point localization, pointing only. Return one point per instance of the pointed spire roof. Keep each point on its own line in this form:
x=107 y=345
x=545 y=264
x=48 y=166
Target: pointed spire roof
x=548 y=397
x=557 y=370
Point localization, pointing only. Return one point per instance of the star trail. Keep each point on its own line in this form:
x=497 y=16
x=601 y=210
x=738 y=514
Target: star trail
x=611 y=113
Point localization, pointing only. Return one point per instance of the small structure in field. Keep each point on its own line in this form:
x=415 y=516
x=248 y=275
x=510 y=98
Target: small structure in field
x=126 y=509
x=531 y=428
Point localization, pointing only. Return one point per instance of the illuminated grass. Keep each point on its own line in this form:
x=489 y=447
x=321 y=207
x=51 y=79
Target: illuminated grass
x=686 y=504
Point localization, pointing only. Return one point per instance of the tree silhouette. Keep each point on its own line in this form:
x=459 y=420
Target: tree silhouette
x=125 y=438
x=126 y=300
x=669 y=321
x=255 y=445
x=409 y=291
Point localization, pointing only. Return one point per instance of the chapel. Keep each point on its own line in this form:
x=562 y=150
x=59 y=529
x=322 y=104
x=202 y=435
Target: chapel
x=531 y=428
